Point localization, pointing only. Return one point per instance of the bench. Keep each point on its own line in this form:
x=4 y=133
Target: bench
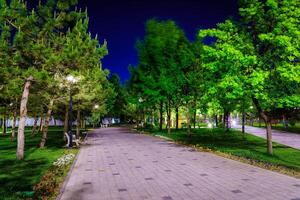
x=104 y=125
x=75 y=140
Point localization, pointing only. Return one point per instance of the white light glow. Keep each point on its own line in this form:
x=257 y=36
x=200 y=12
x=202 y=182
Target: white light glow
x=71 y=79
x=209 y=125
x=96 y=106
x=233 y=123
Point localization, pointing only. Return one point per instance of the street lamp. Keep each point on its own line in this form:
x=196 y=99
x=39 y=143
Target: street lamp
x=71 y=79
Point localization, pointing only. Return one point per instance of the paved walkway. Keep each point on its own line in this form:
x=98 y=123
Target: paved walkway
x=282 y=137
x=117 y=164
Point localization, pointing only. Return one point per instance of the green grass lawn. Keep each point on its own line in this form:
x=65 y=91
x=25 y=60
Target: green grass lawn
x=17 y=178
x=292 y=129
x=249 y=147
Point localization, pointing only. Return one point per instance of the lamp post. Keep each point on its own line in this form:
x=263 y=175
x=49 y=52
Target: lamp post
x=71 y=79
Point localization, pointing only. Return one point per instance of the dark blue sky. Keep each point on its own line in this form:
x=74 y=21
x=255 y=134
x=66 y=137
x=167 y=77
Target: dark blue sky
x=121 y=23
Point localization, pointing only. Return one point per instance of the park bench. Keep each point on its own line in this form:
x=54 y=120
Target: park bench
x=75 y=140
x=104 y=125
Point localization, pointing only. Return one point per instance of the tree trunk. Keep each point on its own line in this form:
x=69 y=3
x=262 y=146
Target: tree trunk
x=195 y=115
x=177 y=117
x=41 y=123
x=23 y=116
x=227 y=120
x=216 y=119
x=269 y=137
x=45 y=128
x=78 y=124
x=188 y=121
x=284 y=120
x=81 y=122
x=34 y=125
x=220 y=119
x=13 y=128
x=169 y=116
x=4 y=123
x=243 y=121
x=267 y=121
x=54 y=121
x=84 y=124
x=160 y=115
x=66 y=120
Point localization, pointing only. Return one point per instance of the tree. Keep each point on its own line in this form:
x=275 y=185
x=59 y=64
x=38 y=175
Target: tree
x=260 y=56
x=165 y=57
x=37 y=45
x=119 y=103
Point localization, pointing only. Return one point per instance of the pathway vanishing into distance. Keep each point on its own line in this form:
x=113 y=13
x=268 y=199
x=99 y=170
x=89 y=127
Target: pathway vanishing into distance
x=116 y=164
x=282 y=137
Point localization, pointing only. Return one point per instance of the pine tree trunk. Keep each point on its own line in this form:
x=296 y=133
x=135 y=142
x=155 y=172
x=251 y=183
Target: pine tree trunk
x=33 y=130
x=78 y=124
x=45 y=128
x=177 y=117
x=41 y=123
x=83 y=124
x=160 y=115
x=23 y=116
x=13 y=129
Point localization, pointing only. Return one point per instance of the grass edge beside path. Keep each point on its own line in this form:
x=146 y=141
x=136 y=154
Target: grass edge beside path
x=280 y=168
x=35 y=177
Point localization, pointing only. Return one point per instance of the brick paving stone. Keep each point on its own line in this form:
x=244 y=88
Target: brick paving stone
x=116 y=164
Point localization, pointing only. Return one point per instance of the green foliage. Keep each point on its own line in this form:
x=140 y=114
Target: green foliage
x=119 y=102
x=168 y=70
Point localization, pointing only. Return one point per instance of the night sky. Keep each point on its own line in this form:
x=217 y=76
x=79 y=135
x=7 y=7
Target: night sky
x=121 y=23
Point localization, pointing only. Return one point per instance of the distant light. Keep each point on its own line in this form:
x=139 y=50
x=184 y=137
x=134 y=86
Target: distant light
x=233 y=122
x=251 y=107
x=96 y=106
x=11 y=104
x=141 y=100
x=209 y=125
